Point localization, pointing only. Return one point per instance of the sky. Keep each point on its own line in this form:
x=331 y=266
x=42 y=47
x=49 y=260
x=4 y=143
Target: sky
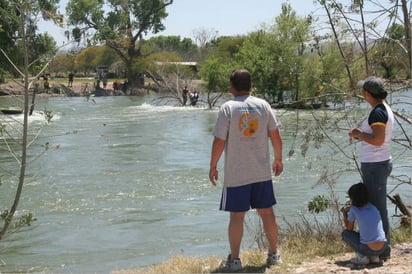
x=227 y=17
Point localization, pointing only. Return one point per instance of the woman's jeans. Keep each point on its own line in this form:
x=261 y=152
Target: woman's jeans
x=375 y=177
x=353 y=239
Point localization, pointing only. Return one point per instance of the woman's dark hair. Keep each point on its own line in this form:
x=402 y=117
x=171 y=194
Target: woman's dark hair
x=381 y=95
x=358 y=194
x=241 y=80
x=375 y=86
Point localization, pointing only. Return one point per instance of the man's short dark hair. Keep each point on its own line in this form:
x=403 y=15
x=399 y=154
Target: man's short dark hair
x=359 y=195
x=241 y=80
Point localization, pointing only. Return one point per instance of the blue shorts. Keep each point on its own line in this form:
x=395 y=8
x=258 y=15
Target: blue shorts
x=242 y=198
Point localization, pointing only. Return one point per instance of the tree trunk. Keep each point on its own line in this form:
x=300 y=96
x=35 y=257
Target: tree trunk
x=365 y=43
x=338 y=43
x=407 y=27
x=33 y=99
x=23 y=157
x=135 y=80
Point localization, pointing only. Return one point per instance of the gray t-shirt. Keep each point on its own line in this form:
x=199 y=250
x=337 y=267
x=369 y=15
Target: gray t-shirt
x=244 y=123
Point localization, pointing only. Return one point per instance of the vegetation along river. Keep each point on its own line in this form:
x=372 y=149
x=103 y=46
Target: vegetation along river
x=124 y=184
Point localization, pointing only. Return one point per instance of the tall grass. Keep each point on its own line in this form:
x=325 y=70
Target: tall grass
x=311 y=238
x=307 y=240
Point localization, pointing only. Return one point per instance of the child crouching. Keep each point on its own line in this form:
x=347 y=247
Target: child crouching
x=370 y=241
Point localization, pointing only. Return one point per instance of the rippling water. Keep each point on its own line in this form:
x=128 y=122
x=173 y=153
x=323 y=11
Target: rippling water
x=124 y=184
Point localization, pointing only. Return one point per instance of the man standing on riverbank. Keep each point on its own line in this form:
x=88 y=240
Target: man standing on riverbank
x=71 y=78
x=243 y=128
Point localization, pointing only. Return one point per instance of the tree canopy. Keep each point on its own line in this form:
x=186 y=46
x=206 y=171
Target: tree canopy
x=41 y=45
x=121 y=25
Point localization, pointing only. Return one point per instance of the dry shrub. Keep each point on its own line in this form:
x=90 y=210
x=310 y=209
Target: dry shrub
x=311 y=238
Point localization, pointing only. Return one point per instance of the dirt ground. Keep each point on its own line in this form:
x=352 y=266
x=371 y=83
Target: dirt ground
x=400 y=262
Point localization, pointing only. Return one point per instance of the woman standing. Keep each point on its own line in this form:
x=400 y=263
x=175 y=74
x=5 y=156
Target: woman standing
x=375 y=134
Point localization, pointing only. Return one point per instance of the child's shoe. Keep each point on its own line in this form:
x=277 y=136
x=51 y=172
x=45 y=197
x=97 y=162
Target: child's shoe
x=374 y=260
x=360 y=260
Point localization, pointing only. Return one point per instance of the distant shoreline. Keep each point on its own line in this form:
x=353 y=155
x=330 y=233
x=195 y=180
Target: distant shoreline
x=13 y=88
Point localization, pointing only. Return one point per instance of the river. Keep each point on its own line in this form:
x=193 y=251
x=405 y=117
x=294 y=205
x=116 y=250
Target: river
x=124 y=184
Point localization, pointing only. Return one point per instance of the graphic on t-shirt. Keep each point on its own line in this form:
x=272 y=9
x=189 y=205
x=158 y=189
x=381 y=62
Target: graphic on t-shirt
x=248 y=124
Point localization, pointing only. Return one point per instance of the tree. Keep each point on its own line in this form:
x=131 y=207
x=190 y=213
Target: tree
x=346 y=57
x=86 y=60
x=214 y=72
x=292 y=34
x=174 y=44
x=42 y=45
x=217 y=66
x=389 y=55
x=8 y=28
x=120 y=25
x=202 y=37
x=369 y=24
x=225 y=46
x=63 y=62
x=22 y=14
x=331 y=77
x=407 y=28
x=275 y=56
x=169 y=74
x=260 y=55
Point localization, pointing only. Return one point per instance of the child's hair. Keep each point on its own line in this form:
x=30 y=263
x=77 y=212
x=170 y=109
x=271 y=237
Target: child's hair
x=358 y=194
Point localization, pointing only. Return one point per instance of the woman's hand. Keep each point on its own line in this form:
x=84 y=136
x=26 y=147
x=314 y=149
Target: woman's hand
x=355 y=133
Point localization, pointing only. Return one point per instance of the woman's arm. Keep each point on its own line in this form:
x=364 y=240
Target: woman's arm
x=376 y=138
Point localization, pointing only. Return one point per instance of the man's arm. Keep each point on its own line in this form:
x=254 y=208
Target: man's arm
x=276 y=140
x=217 y=150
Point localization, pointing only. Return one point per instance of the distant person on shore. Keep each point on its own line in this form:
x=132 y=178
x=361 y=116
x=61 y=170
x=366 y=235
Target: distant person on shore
x=194 y=97
x=124 y=86
x=46 y=83
x=185 y=94
x=104 y=80
x=370 y=242
x=375 y=134
x=116 y=85
x=243 y=129
x=71 y=79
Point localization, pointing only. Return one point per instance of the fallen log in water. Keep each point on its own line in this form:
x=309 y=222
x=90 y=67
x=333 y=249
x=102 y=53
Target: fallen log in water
x=406 y=214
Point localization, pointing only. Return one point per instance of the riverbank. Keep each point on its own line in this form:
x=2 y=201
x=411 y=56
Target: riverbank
x=80 y=87
x=57 y=88
x=400 y=262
